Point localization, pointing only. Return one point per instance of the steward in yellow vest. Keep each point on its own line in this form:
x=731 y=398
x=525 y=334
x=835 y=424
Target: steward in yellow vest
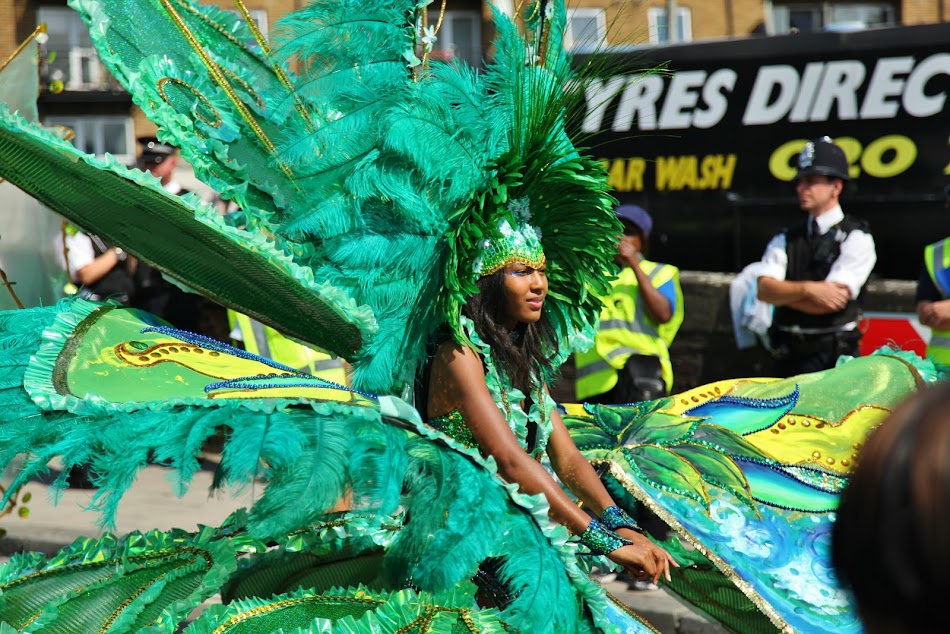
x=266 y=342
x=630 y=359
x=933 y=299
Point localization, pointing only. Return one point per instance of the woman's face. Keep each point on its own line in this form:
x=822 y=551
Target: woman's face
x=525 y=288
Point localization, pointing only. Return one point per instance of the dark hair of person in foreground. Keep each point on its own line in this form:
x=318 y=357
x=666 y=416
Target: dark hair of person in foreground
x=891 y=540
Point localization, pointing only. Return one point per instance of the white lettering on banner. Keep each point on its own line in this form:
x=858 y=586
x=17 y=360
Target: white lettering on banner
x=884 y=84
x=840 y=84
x=681 y=99
x=759 y=111
x=598 y=94
x=916 y=102
x=811 y=78
x=639 y=99
x=843 y=89
x=714 y=94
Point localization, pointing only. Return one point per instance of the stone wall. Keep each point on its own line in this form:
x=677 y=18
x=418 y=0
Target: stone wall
x=705 y=349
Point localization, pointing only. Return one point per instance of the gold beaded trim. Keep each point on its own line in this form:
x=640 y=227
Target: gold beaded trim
x=279 y=605
x=220 y=79
x=535 y=264
x=204 y=100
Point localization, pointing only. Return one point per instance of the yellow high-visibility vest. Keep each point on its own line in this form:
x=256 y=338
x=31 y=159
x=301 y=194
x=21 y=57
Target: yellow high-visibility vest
x=937 y=259
x=265 y=341
x=626 y=328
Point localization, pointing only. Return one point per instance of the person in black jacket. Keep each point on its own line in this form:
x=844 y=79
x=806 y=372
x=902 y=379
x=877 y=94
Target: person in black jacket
x=813 y=273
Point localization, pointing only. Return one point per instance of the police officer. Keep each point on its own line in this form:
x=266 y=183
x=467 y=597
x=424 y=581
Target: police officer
x=813 y=273
x=933 y=299
x=152 y=291
x=630 y=359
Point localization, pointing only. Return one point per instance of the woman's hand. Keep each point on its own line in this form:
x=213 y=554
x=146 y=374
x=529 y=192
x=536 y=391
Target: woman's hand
x=643 y=559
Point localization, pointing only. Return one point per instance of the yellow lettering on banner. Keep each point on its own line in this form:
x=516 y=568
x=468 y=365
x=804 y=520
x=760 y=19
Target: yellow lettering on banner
x=904 y=154
x=780 y=163
x=852 y=151
x=625 y=175
x=717 y=171
x=666 y=169
x=884 y=157
x=713 y=171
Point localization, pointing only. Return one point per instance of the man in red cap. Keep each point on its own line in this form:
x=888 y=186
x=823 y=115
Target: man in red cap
x=813 y=273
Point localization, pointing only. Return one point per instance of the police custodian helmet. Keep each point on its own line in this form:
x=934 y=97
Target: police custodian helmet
x=153 y=150
x=823 y=156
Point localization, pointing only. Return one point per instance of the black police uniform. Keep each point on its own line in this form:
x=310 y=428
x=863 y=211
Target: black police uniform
x=118 y=284
x=803 y=342
x=153 y=293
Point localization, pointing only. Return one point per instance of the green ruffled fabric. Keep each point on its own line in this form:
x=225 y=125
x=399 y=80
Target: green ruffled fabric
x=110 y=578
x=508 y=398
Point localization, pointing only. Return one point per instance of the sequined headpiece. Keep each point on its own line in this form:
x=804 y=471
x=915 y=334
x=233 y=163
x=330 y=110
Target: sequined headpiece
x=515 y=241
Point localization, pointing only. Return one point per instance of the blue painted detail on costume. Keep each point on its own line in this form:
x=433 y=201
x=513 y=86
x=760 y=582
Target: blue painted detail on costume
x=213 y=344
x=769 y=482
x=274 y=381
x=746 y=415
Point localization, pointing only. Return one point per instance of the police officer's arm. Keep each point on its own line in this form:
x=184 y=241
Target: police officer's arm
x=657 y=305
x=98 y=268
x=813 y=298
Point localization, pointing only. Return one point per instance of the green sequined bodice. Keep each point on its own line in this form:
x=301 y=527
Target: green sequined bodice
x=454 y=425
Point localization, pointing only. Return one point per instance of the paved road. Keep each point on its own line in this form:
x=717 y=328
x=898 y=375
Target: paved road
x=151 y=503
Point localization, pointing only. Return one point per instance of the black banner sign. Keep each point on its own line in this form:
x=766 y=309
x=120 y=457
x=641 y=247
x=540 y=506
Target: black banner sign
x=708 y=146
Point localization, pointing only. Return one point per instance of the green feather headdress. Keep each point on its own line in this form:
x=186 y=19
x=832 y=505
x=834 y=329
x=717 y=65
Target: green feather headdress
x=539 y=170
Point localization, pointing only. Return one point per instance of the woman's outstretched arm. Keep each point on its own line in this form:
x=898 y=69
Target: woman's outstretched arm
x=581 y=478
x=458 y=382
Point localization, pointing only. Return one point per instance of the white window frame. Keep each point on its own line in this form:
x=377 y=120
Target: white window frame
x=599 y=15
x=682 y=14
x=97 y=73
x=446 y=34
x=76 y=53
x=98 y=141
x=825 y=9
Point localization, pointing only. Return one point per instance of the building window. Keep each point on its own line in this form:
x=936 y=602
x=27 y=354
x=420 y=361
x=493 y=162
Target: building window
x=808 y=17
x=101 y=134
x=586 y=29
x=74 y=60
x=258 y=15
x=460 y=37
x=660 y=27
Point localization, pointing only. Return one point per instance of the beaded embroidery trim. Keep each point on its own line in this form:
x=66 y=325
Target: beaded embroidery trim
x=615 y=517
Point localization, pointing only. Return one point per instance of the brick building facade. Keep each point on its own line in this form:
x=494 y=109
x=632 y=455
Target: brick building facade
x=106 y=119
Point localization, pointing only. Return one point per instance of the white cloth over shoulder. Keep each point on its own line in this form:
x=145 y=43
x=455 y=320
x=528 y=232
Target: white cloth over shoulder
x=751 y=318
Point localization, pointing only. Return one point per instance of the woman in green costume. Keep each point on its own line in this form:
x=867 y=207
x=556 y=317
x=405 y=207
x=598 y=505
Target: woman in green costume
x=492 y=396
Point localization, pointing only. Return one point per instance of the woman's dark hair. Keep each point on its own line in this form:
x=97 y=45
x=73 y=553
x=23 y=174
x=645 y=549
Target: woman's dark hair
x=891 y=540
x=521 y=354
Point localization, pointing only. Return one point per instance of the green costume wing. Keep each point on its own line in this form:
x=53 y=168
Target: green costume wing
x=114 y=388
x=368 y=179
x=748 y=473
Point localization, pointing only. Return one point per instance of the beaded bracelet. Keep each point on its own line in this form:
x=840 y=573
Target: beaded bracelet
x=601 y=540
x=615 y=517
